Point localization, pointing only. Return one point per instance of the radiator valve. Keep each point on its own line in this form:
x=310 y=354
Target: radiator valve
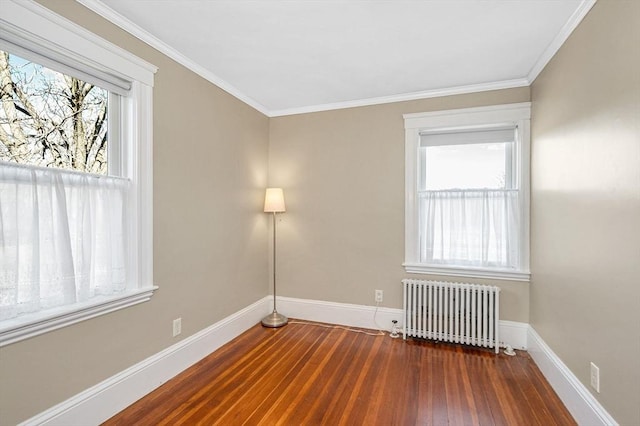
x=394 y=329
x=509 y=351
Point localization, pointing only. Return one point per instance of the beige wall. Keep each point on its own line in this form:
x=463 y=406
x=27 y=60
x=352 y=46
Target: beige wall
x=343 y=233
x=342 y=236
x=585 y=291
x=210 y=238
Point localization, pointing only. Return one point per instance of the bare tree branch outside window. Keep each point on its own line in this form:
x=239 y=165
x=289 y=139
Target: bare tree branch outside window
x=50 y=119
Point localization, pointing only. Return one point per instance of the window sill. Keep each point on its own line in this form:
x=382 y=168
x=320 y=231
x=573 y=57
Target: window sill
x=497 y=274
x=16 y=329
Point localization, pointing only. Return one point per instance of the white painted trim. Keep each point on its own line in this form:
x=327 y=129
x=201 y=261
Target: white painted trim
x=138 y=32
x=425 y=94
x=496 y=274
x=117 y=19
x=361 y=316
x=24 y=327
x=518 y=114
x=135 y=30
x=26 y=18
x=468 y=116
x=573 y=22
x=514 y=333
x=582 y=405
x=139 y=165
x=102 y=401
x=339 y=313
x=107 y=398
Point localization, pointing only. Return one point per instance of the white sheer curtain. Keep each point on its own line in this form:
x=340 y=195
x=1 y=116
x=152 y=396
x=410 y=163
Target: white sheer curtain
x=62 y=238
x=478 y=228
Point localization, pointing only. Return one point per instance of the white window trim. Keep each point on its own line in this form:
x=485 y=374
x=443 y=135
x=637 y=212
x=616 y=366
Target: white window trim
x=28 y=19
x=518 y=114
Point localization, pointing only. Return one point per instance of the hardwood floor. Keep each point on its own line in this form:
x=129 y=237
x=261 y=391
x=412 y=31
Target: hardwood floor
x=311 y=375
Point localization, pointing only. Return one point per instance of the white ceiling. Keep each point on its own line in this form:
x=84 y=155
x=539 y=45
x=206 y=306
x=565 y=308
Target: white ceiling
x=288 y=56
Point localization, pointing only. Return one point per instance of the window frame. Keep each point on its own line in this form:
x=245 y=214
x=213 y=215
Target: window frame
x=518 y=114
x=70 y=43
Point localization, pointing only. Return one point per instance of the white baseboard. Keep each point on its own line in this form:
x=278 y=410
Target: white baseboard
x=339 y=313
x=102 y=401
x=512 y=333
x=582 y=405
x=107 y=398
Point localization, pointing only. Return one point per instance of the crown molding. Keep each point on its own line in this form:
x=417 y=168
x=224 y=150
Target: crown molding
x=573 y=22
x=434 y=93
x=117 y=19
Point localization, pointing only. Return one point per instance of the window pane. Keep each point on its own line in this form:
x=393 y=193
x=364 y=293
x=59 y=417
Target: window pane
x=466 y=166
x=50 y=119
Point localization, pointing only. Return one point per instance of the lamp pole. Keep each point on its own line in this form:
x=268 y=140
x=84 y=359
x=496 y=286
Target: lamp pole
x=274 y=203
x=274 y=262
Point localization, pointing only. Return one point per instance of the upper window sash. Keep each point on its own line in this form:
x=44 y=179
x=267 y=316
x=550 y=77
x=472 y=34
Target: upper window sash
x=507 y=134
x=40 y=95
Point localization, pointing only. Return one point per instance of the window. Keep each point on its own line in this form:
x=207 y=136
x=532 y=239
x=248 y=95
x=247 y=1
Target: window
x=467 y=191
x=75 y=174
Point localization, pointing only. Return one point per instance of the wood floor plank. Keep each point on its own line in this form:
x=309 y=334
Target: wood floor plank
x=385 y=369
x=321 y=397
x=438 y=390
x=302 y=381
x=267 y=381
x=309 y=374
x=482 y=391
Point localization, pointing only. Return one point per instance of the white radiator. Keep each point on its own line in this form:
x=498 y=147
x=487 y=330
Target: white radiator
x=452 y=312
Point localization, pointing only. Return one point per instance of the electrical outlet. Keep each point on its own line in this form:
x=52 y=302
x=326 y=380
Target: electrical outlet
x=379 y=296
x=177 y=326
x=595 y=377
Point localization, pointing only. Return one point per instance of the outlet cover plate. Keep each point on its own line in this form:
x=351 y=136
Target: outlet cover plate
x=177 y=326
x=595 y=377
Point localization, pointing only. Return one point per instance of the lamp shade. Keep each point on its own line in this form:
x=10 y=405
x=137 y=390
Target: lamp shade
x=274 y=200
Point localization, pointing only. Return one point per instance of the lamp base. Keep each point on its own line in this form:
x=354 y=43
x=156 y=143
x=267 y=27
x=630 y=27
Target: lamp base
x=274 y=320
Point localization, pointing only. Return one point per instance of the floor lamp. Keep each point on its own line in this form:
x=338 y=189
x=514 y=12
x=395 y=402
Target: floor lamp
x=274 y=203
